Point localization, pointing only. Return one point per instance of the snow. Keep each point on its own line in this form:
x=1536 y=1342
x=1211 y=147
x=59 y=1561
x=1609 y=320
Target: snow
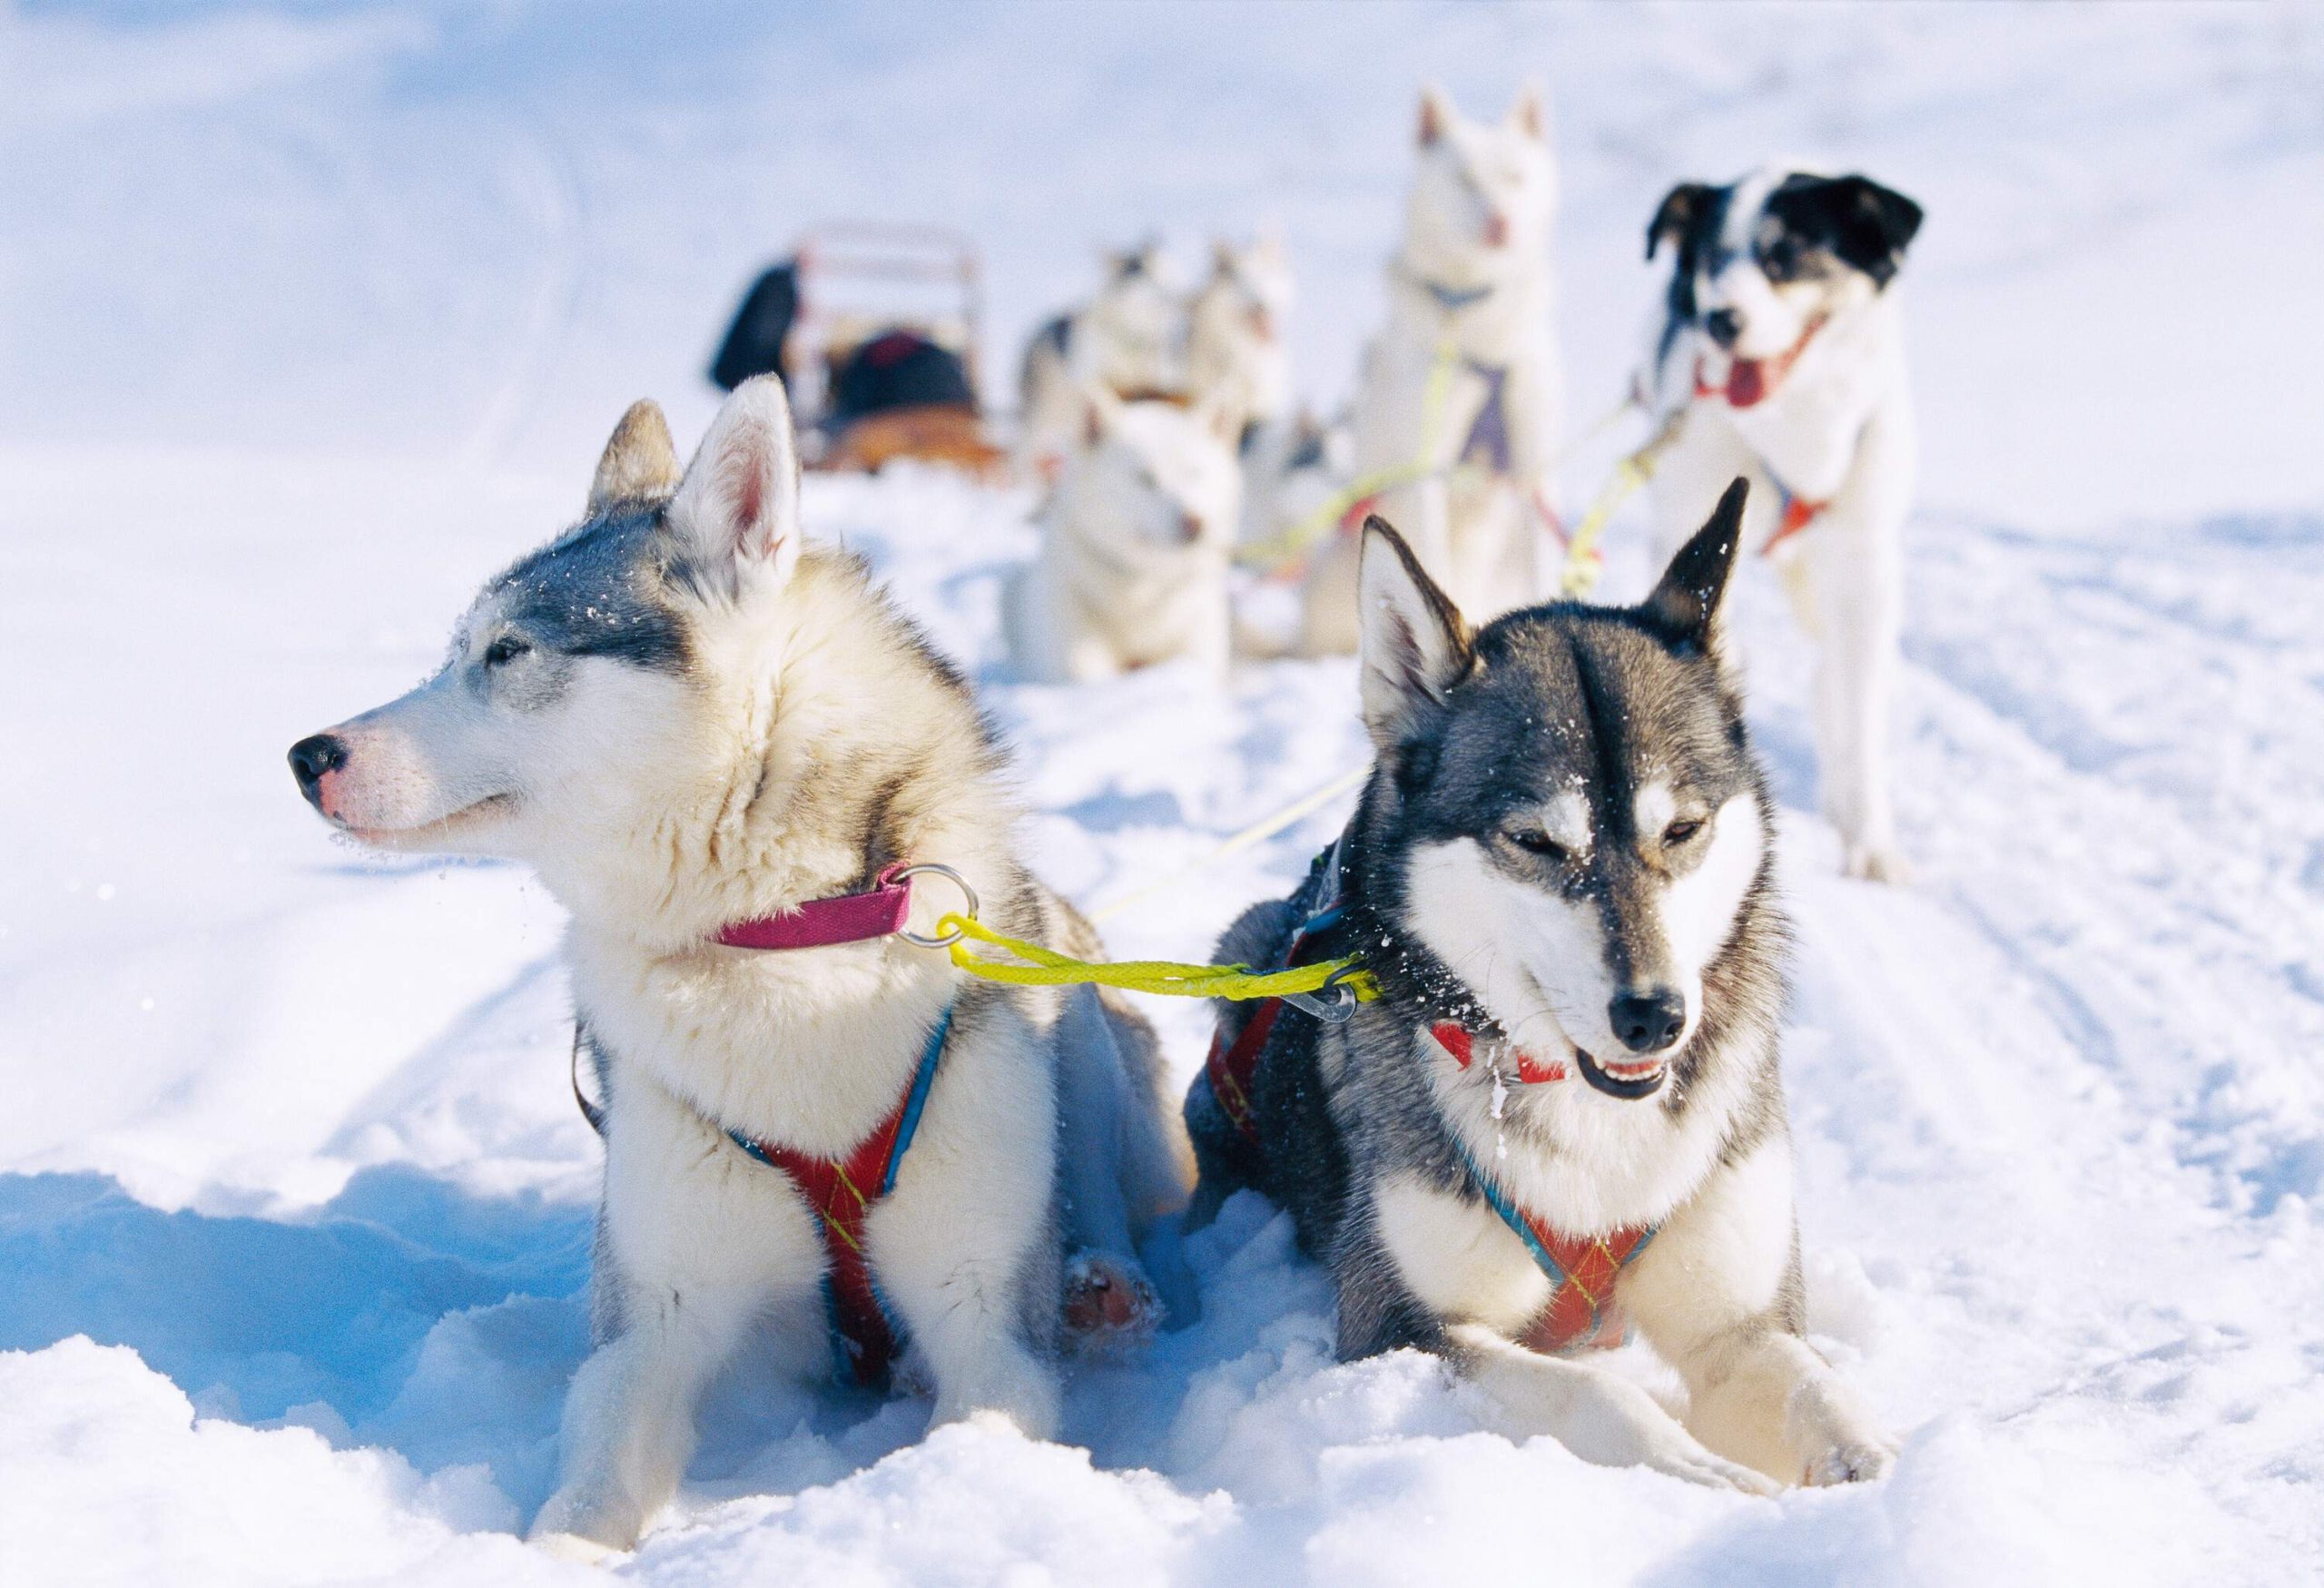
x=310 y=318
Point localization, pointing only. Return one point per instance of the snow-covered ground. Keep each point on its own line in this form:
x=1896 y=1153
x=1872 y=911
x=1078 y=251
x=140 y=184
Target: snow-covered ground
x=310 y=318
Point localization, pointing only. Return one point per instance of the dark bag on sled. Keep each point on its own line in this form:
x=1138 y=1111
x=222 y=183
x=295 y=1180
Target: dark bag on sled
x=898 y=368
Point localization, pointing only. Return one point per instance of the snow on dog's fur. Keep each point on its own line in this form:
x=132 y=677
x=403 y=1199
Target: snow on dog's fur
x=1130 y=339
x=1136 y=538
x=1469 y=316
x=1566 y=850
x=682 y=718
x=1779 y=355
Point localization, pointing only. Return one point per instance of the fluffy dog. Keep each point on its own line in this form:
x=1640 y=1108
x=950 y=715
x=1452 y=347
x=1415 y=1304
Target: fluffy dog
x=1564 y=1105
x=1461 y=386
x=1130 y=339
x=692 y=726
x=1779 y=355
x=1135 y=539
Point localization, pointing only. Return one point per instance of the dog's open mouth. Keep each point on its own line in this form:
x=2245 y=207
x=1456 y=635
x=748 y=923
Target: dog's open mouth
x=1639 y=1078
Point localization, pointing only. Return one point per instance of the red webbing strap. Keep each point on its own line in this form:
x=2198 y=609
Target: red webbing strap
x=1232 y=1067
x=1582 y=1311
x=841 y=1193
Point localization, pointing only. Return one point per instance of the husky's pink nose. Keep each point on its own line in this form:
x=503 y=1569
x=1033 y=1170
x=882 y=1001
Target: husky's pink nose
x=312 y=761
x=1496 y=229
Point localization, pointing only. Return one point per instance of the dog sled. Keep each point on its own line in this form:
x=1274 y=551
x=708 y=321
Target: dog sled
x=873 y=328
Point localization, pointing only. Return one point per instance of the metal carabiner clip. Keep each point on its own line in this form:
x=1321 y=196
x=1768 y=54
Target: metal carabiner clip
x=1334 y=1002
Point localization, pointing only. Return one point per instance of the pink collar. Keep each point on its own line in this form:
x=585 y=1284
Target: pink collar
x=878 y=911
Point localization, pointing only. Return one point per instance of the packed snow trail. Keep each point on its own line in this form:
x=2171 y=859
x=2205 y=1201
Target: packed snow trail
x=314 y=320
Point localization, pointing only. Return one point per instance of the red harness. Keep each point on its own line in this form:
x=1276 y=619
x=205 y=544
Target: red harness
x=1749 y=382
x=1583 y=1270
x=842 y=1192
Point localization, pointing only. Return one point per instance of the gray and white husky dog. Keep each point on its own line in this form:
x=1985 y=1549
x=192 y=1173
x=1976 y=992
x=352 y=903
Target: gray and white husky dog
x=683 y=719
x=1565 y=1097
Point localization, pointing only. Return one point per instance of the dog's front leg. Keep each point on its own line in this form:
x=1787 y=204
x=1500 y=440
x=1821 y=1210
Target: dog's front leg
x=1600 y=1417
x=1718 y=1295
x=966 y=1247
x=695 y=1241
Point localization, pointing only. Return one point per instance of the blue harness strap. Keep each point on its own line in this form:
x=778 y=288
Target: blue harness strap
x=866 y=1336
x=1582 y=1271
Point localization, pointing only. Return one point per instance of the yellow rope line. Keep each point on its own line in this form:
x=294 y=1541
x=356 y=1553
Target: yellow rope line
x=1040 y=967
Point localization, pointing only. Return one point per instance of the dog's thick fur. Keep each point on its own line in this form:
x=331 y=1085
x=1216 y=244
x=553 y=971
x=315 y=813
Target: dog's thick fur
x=1130 y=339
x=1777 y=264
x=681 y=718
x=1472 y=279
x=1135 y=539
x=1237 y=357
x=1565 y=828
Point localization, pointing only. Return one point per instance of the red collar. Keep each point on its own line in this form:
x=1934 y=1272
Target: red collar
x=878 y=911
x=1751 y=381
x=1462 y=1043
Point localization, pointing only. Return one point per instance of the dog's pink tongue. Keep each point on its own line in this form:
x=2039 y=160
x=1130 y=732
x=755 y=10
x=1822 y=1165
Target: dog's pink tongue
x=1747 y=382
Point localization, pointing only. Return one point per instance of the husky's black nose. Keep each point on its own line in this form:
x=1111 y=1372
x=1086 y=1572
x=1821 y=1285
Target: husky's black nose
x=311 y=758
x=1648 y=1022
x=1724 y=325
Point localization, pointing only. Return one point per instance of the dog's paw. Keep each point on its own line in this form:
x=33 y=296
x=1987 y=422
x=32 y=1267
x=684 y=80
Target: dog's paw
x=1851 y=1461
x=1110 y=1306
x=1878 y=863
x=572 y=1546
x=1696 y=1464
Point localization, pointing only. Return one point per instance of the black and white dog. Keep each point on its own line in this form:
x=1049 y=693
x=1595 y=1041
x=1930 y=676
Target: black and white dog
x=1565 y=1104
x=1780 y=356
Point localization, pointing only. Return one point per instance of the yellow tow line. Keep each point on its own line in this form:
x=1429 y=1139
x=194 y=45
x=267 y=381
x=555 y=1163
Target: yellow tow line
x=1031 y=966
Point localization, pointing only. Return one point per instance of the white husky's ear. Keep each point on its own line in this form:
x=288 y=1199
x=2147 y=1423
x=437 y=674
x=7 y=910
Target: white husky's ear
x=1530 y=116
x=1435 y=115
x=1415 y=645
x=738 y=505
x=640 y=464
x=1685 y=605
x=1099 y=409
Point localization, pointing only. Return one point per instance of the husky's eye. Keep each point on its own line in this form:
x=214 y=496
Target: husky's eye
x=1779 y=259
x=504 y=650
x=1534 y=841
x=1680 y=832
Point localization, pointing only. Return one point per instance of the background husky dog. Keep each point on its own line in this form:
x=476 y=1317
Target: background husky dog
x=1780 y=356
x=1469 y=295
x=1236 y=352
x=1562 y=873
x=1129 y=338
x=1136 y=538
x=681 y=720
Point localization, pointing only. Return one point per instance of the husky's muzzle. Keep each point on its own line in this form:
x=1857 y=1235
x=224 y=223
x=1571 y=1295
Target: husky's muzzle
x=1644 y=1082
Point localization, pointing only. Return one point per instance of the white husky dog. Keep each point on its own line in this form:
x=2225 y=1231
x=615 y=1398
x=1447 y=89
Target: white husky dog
x=1130 y=339
x=1135 y=539
x=1464 y=373
x=1779 y=355
x=717 y=749
x=1236 y=352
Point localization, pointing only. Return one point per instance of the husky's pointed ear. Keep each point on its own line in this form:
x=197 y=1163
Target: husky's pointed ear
x=1681 y=207
x=639 y=464
x=1415 y=645
x=738 y=505
x=1685 y=605
x=1531 y=114
x=1100 y=409
x=1435 y=115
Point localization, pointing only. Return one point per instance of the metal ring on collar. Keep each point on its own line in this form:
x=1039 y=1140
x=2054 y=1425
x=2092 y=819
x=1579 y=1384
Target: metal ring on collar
x=958 y=880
